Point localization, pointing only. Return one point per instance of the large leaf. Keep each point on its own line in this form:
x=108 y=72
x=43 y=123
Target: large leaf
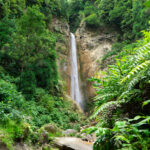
x=136 y=118
x=146 y=103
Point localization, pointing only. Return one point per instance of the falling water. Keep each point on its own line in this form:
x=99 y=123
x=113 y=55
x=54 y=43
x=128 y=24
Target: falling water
x=75 y=88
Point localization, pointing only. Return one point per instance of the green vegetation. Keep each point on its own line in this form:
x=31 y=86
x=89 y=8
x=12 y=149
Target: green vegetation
x=31 y=96
x=75 y=7
x=122 y=101
x=128 y=17
x=30 y=93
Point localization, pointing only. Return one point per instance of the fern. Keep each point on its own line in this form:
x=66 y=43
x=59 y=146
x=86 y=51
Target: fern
x=128 y=95
x=142 y=53
x=106 y=96
x=126 y=83
x=132 y=83
x=123 y=95
x=137 y=69
x=105 y=106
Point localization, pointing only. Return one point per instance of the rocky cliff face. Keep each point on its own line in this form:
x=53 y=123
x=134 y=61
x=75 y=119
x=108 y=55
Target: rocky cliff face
x=62 y=31
x=92 y=46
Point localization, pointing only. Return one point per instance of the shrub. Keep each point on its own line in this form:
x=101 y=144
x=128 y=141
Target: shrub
x=47 y=101
x=124 y=87
x=10 y=102
x=11 y=132
x=116 y=48
x=39 y=93
x=27 y=83
x=92 y=20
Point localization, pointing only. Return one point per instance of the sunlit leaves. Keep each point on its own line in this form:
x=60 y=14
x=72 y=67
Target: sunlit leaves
x=126 y=82
x=147 y=4
x=32 y=21
x=105 y=106
x=146 y=103
x=136 y=70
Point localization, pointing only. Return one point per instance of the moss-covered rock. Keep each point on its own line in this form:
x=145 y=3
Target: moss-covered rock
x=51 y=128
x=48 y=132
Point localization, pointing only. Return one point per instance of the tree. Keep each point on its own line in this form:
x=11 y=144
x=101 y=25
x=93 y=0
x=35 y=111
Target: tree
x=7 y=27
x=27 y=83
x=75 y=7
x=35 y=47
x=33 y=41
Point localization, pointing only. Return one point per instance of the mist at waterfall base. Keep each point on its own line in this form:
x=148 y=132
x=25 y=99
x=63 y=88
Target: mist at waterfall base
x=75 y=86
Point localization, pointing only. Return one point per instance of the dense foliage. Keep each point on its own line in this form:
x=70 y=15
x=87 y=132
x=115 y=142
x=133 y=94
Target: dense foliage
x=122 y=101
x=75 y=7
x=30 y=93
x=127 y=17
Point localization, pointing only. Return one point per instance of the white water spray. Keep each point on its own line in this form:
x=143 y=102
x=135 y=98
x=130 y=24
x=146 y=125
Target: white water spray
x=75 y=88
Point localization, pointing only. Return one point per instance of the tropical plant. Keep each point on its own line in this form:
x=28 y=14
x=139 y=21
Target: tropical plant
x=123 y=89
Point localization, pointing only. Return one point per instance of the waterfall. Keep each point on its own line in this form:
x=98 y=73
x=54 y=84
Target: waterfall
x=75 y=88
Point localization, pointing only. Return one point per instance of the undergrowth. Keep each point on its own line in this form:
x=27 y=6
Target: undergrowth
x=122 y=100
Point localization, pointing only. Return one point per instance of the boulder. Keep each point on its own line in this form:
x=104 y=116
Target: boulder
x=44 y=138
x=44 y=132
x=72 y=143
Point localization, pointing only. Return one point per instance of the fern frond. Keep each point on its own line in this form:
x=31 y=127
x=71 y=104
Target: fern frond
x=137 y=69
x=123 y=95
x=105 y=96
x=101 y=131
x=105 y=106
x=142 y=52
x=133 y=82
x=128 y=95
